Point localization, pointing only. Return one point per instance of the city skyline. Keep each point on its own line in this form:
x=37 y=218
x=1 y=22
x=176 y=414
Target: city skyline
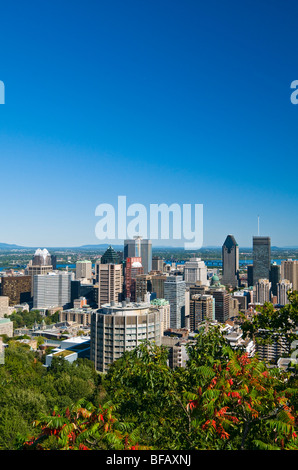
x=185 y=104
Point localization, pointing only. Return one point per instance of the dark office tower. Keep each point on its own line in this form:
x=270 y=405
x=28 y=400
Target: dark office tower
x=274 y=277
x=75 y=290
x=54 y=262
x=222 y=305
x=230 y=262
x=261 y=258
x=250 y=279
x=201 y=307
x=17 y=288
x=139 y=247
x=110 y=257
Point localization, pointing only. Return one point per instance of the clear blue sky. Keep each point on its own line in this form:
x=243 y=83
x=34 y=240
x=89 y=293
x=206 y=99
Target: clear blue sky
x=161 y=101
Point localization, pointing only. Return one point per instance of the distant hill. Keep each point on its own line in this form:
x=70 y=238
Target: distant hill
x=8 y=246
x=104 y=246
x=100 y=247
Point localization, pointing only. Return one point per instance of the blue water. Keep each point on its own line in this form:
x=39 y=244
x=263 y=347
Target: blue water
x=242 y=262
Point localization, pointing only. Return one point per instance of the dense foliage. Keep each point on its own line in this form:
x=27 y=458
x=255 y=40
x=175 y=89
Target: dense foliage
x=222 y=400
x=28 y=319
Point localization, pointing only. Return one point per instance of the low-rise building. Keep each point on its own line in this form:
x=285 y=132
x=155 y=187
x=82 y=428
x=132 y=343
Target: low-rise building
x=71 y=350
x=6 y=327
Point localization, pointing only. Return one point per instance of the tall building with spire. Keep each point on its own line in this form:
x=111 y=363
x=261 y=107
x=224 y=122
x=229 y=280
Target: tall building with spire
x=230 y=262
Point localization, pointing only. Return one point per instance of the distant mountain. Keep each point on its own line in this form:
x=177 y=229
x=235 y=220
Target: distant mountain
x=99 y=247
x=8 y=246
x=104 y=246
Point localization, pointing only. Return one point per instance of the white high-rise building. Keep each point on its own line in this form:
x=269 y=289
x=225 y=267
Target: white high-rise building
x=195 y=270
x=174 y=292
x=282 y=288
x=52 y=289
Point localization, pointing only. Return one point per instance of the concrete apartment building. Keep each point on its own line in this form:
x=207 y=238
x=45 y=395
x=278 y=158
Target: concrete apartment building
x=121 y=326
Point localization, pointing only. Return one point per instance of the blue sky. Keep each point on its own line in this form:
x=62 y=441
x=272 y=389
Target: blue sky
x=161 y=101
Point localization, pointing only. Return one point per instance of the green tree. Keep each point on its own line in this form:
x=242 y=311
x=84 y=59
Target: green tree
x=272 y=325
x=83 y=427
x=222 y=400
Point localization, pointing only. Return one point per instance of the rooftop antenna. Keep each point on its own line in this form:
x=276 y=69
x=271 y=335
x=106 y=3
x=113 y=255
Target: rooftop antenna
x=258 y=225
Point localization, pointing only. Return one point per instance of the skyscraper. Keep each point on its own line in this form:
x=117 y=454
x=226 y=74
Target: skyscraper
x=222 y=304
x=84 y=269
x=230 y=262
x=289 y=270
x=133 y=268
x=261 y=258
x=164 y=308
x=41 y=263
x=52 y=289
x=17 y=288
x=202 y=307
x=174 y=292
x=110 y=256
x=282 y=291
x=274 y=277
x=139 y=247
x=110 y=283
x=157 y=263
x=263 y=291
x=195 y=270
x=143 y=285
